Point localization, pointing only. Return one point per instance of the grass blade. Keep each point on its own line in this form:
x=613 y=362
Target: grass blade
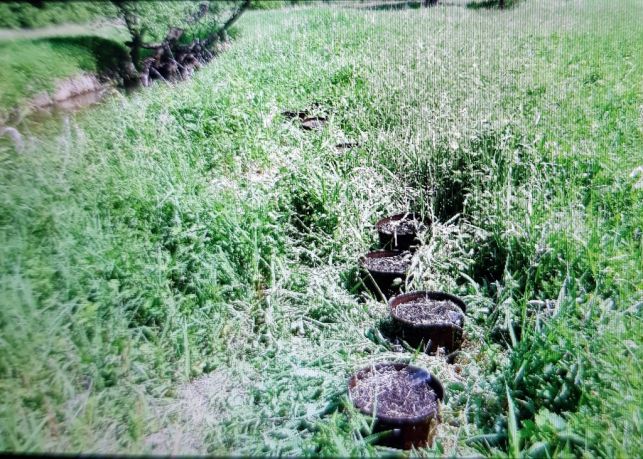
x=514 y=434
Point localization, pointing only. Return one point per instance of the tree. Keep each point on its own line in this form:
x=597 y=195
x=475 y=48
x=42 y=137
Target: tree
x=169 y=39
x=428 y=3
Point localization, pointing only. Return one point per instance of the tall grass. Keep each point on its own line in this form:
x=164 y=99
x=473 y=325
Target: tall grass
x=192 y=230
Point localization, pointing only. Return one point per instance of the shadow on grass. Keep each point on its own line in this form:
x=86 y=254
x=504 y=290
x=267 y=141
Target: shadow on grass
x=110 y=57
x=395 y=6
x=490 y=4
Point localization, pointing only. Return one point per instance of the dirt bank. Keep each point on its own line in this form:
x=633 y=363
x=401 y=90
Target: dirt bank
x=65 y=90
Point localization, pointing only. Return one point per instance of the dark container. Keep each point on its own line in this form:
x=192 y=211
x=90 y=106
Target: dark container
x=384 y=279
x=313 y=123
x=404 y=431
x=292 y=114
x=346 y=145
x=406 y=240
x=431 y=336
x=308 y=121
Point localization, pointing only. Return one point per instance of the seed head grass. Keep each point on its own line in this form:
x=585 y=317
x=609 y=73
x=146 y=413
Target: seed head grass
x=178 y=268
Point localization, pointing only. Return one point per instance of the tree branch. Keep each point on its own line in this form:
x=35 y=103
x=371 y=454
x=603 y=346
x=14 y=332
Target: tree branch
x=198 y=15
x=221 y=34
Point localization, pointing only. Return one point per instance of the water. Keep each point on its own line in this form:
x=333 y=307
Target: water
x=67 y=107
x=50 y=120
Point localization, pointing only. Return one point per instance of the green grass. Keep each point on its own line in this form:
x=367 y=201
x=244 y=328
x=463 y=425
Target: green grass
x=31 y=67
x=27 y=15
x=191 y=230
x=28 y=67
x=37 y=61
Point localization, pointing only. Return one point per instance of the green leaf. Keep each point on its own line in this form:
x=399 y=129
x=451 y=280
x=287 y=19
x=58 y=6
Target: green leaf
x=538 y=449
x=514 y=435
x=546 y=419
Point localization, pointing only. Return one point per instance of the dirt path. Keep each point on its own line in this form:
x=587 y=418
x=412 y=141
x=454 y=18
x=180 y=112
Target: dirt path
x=106 y=29
x=201 y=405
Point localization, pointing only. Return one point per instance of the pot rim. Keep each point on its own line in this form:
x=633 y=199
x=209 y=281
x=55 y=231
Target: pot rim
x=384 y=254
x=400 y=216
x=322 y=118
x=410 y=296
x=433 y=382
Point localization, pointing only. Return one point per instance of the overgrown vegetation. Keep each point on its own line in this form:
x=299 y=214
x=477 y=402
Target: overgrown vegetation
x=167 y=40
x=190 y=236
x=44 y=13
x=177 y=35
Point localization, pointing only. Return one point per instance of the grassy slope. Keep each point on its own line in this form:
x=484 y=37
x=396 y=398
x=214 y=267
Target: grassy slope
x=191 y=230
x=32 y=62
x=32 y=66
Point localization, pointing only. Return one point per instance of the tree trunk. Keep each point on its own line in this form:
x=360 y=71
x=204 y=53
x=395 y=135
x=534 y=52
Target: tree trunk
x=171 y=60
x=232 y=19
x=136 y=43
x=135 y=50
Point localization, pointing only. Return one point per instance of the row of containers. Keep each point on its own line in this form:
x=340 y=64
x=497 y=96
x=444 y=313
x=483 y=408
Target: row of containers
x=404 y=399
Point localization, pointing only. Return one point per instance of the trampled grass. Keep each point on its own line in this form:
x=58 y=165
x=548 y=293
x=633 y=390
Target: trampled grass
x=178 y=267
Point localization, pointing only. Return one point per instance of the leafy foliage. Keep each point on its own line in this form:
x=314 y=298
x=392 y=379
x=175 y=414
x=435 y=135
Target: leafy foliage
x=153 y=20
x=41 y=14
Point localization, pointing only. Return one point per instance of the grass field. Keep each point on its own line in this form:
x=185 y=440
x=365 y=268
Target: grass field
x=37 y=60
x=29 y=15
x=178 y=267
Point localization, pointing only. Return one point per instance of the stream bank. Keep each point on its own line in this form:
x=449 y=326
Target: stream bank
x=84 y=90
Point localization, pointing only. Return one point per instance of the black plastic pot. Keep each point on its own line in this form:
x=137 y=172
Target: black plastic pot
x=292 y=114
x=403 y=432
x=307 y=121
x=444 y=334
x=385 y=281
x=346 y=145
x=399 y=241
x=313 y=123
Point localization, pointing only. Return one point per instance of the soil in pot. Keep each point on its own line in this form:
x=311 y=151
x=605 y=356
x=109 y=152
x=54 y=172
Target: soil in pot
x=429 y=319
x=403 y=399
x=313 y=123
x=392 y=263
x=400 y=231
x=394 y=393
x=427 y=311
x=386 y=270
x=301 y=114
x=292 y=114
x=401 y=227
x=308 y=120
